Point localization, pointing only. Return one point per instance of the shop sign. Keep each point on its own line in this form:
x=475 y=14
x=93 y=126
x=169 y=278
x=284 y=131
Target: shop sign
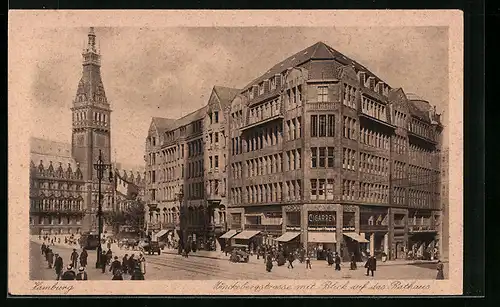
x=321 y=218
x=273 y=214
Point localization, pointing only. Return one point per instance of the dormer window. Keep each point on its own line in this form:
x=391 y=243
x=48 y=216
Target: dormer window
x=261 y=88
x=251 y=94
x=273 y=83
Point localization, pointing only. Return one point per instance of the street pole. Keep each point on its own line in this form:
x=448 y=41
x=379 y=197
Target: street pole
x=100 y=167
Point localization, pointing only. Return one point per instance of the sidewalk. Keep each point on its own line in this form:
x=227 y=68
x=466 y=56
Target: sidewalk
x=222 y=256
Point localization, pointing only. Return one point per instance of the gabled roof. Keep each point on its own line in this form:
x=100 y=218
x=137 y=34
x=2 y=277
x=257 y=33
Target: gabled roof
x=318 y=51
x=163 y=123
x=191 y=117
x=226 y=94
x=419 y=107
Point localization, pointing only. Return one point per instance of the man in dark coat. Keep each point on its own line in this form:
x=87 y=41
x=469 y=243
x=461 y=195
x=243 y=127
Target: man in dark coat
x=104 y=262
x=109 y=256
x=137 y=273
x=131 y=264
x=291 y=258
x=329 y=257
x=353 y=262
x=116 y=269
x=58 y=266
x=74 y=258
x=69 y=274
x=83 y=258
x=371 y=265
x=337 y=262
x=125 y=263
x=269 y=263
x=44 y=248
x=50 y=257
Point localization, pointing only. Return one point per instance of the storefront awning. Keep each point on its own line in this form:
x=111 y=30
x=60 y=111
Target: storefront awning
x=356 y=237
x=288 y=236
x=322 y=237
x=229 y=234
x=161 y=233
x=246 y=234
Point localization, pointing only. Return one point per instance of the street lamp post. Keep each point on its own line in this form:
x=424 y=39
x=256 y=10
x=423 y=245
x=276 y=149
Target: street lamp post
x=100 y=167
x=182 y=218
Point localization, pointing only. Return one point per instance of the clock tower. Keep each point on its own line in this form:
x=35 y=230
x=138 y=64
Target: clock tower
x=91 y=129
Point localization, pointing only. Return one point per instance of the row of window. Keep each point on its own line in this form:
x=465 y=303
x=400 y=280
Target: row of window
x=263 y=111
x=323 y=125
x=49 y=220
x=266 y=137
x=213 y=118
x=400 y=119
x=195 y=169
x=195 y=148
x=421 y=128
x=167 y=193
x=265 y=165
x=373 y=108
x=421 y=175
x=168 y=174
x=55 y=204
x=213 y=163
x=54 y=185
x=349 y=128
x=214 y=137
x=273 y=192
x=371 y=192
x=422 y=199
x=293 y=97
x=322 y=157
x=293 y=129
x=194 y=191
x=399 y=144
x=374 y=139
x=421 y=156
x=236 y=146
x=349 y=98
x=349 y=159
x=236 y=170
x=399 y=195
x=169 y=155
x=237 y=119
x=374 y=165
x=399 y=171
x=322 y=189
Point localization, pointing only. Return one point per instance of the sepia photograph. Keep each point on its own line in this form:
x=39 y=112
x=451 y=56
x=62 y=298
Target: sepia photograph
x=235 y=154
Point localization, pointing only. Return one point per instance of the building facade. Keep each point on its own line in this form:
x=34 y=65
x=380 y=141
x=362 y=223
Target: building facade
x=63 y=181
x=325 y=155
x=185 y=172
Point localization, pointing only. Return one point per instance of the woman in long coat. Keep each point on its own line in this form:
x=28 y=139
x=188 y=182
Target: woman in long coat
x=440 y=269
x=353 y=262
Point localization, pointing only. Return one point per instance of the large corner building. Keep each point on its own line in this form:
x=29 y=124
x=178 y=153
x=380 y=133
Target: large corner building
x=318 y=152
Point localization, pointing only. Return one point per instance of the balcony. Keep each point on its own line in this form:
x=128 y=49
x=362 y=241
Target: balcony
x=421 y=228
x=421 y=137
x=53 y=211
x=373 y=228
x=257 y=122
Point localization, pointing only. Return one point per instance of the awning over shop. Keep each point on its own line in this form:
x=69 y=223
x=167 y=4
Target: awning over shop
x=288 y=236
x=356 y=237
x=322 y=237
x=246 y=234
x=228 y=235
x=161 y=233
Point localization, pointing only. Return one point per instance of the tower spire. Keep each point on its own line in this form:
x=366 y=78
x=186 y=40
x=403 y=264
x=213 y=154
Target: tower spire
x=91 y=40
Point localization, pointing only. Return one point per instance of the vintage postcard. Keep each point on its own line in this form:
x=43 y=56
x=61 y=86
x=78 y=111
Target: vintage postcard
x=235 y=152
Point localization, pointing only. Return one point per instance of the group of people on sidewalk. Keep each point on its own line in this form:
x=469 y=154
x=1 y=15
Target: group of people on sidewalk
x=54 y=260
x=135 y=268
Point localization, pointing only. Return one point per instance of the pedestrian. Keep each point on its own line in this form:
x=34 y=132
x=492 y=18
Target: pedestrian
x=337 y=262
x=290 y=260
x=109 y=256
x=82 y=275
x=302 y=253
x=125 y=263
x=44 y=248
x=58 y=266
x=353 y=262
x=69 y=274
x=440 y=270
x=308 y=262
x=142 y=263
x=131 y=264
x=269 y=263
x=137 y=274
x=83 y=258
x=104 y=262
x=329 y=257
x=371 y=265
x=50 y=257
x=116 y=269
x=74 y=258
x=258 y=252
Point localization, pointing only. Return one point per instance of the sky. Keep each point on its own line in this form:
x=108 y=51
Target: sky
x=170 y=72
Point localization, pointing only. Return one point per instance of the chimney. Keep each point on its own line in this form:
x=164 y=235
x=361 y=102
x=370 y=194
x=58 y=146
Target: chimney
x=371 y=83
x=278 y=80
x=381 y=86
